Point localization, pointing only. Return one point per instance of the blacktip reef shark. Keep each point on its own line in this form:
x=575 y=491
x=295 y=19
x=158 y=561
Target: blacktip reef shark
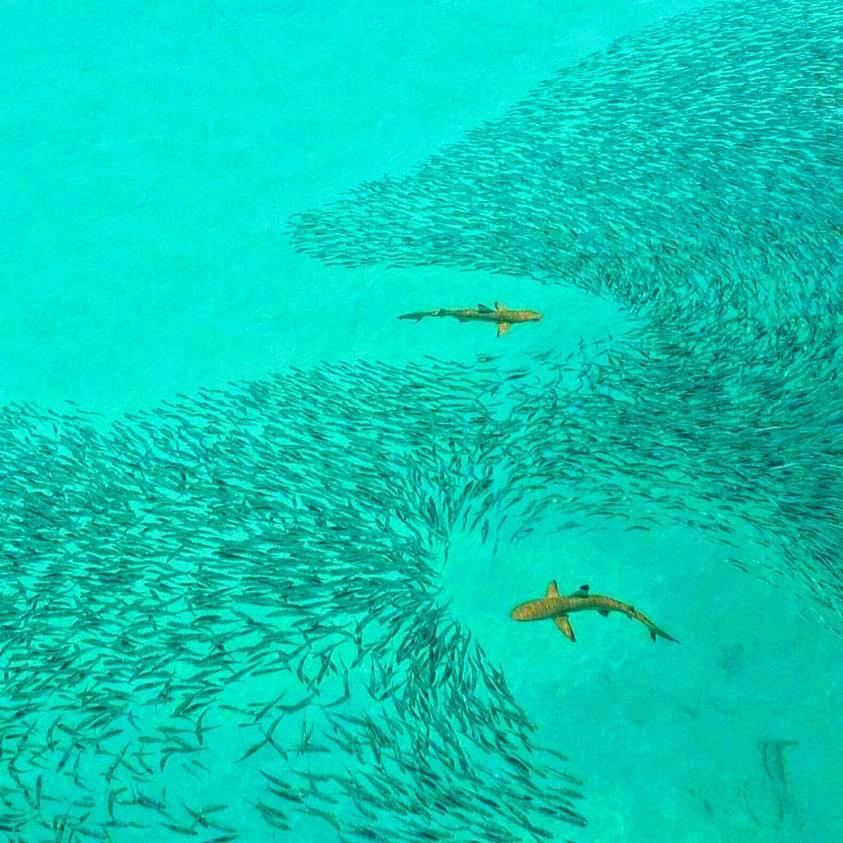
x=500 y=314
x=558 y=607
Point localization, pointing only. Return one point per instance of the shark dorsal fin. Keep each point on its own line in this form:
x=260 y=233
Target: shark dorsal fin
x=499 y=306
x=484 y=308
x=582 y=591
x=552 y=590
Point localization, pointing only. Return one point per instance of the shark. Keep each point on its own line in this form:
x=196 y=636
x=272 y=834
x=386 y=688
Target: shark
x=557 y=607
x=500 y=314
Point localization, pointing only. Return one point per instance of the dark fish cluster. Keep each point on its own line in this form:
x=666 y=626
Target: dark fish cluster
x=693 y=173
x=237 y=594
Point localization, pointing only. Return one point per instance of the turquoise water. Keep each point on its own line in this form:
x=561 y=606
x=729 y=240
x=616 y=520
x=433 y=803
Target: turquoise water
x=248 y=569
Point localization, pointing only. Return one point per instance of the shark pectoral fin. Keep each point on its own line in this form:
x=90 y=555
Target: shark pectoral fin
x=503 y=327
x=499 y=306
x=552 y=590
x=564 y=626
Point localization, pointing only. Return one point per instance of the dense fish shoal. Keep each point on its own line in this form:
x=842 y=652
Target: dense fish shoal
x=237 y=592
x=693 y=174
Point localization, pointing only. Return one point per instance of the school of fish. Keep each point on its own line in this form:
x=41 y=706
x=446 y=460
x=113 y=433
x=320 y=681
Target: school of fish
x=693 y=174
x=257 y=566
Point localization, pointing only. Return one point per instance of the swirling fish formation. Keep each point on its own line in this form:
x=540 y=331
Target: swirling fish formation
x=693 y=174
x=237 y=593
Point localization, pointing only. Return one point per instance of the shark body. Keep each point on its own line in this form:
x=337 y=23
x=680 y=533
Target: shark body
x=557 y=607
x=501 y=315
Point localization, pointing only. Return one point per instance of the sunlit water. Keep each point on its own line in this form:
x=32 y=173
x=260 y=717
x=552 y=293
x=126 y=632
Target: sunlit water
x=168 y=580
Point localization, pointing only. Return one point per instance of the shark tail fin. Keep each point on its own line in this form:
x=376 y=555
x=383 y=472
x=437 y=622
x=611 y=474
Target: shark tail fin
x=418 y=316
x=656 y=632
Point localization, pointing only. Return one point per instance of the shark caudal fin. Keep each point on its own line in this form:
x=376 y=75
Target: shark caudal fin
x=657 y=632
x=564 y=626
x=417 y=316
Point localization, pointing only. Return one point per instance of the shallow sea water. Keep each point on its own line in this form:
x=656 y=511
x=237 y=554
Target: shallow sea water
x=152 y=157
